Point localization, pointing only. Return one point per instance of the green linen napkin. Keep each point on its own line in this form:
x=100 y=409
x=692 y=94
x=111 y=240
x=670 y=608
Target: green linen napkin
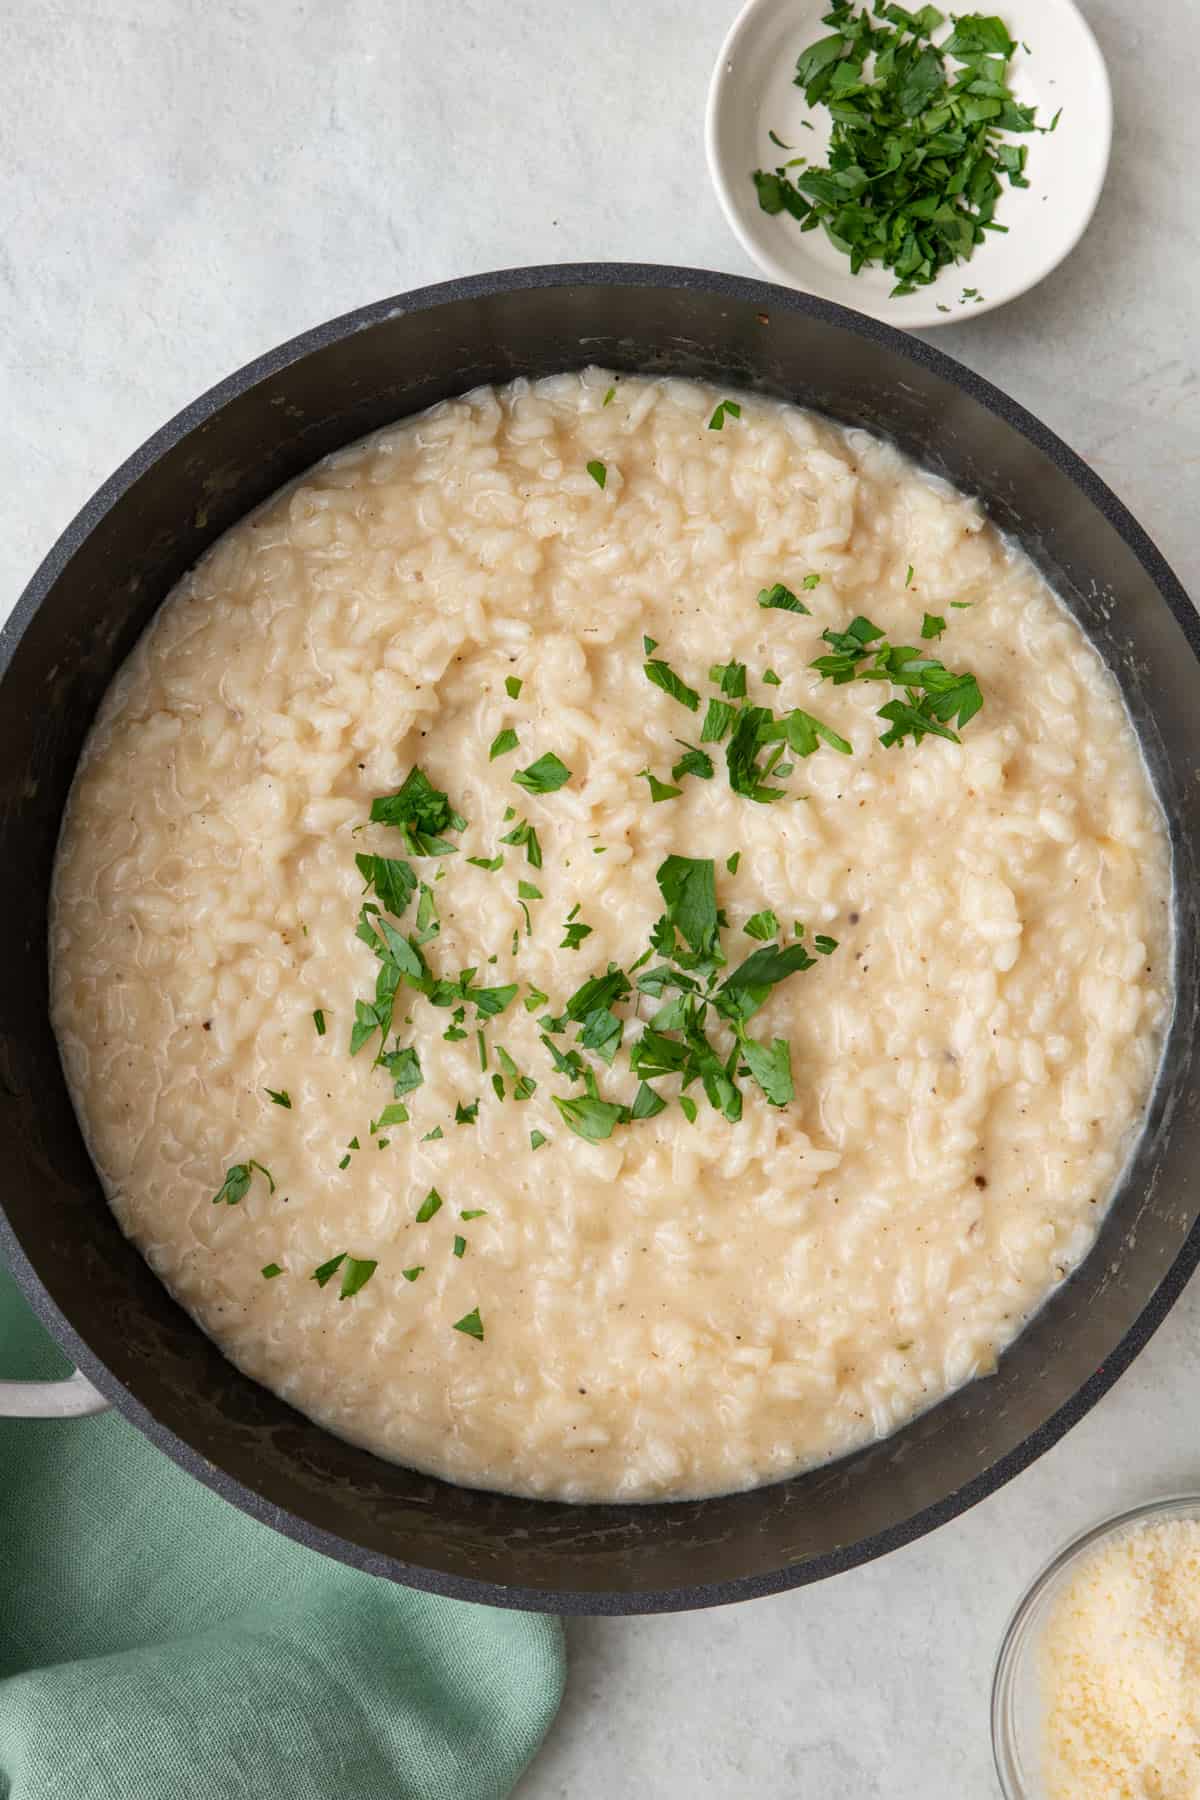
x=155 y=1644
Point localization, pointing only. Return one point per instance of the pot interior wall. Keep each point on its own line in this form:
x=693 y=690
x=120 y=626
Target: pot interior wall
x=81 y=616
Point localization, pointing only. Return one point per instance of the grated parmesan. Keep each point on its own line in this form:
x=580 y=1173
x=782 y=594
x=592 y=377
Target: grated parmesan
x=1120 y=1668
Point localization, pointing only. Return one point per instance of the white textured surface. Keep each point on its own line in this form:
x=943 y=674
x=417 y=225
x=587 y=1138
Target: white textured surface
x=186 y=186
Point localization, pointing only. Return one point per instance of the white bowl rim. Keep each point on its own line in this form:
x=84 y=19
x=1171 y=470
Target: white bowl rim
x=916 y=318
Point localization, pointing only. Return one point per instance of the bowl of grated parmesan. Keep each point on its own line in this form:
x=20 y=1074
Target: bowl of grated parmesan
x=1096 y=1693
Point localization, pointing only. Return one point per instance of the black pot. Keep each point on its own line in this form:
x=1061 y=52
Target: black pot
x=82 y=614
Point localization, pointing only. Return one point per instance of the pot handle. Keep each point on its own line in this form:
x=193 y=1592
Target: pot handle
x=74 y=1398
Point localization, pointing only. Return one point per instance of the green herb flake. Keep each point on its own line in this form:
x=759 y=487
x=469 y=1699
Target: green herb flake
x=329 y=1269
x=609 y=397
x=810 y=582
x=589 y=1117
x=932 y=626
x=961 y=605
x=356 y=1273
x=421 y=813
x=730 y=678
x=598 y=472
x=490 y=863
x=545 y=776
x=280 y=1097
x=731 y=862
x=237 y=1181
x=474 y=1212
x=537 y=1139
x=431 y=1204
x=762 y=925
x=688 y=1108
x=460 y=1246
x=270 y=1271
x=466 y=1115
x=319 y=1021
x=527 y=891
x=659 y=790
x=664 y=677
x=471 y=1325
x=524 y=834
x=512 y=686
x=782 y=599
x=503 y=742
x=345 y=1162
x=726 y=409
x=431 y=1136
x=576 y=932
x=771 y=678
x=412 y=1274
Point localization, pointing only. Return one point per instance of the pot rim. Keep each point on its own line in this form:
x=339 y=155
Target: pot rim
x=742 y=290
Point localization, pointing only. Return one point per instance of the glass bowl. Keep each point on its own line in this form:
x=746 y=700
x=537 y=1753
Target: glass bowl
x=1016 y=1686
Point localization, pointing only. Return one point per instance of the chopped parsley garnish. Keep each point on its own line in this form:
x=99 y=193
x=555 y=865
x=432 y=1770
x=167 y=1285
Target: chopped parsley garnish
x=460 y=1245
x=771 y=678
x=421 y=813
x=934 y=695
x=589 y=1117
x=961 y=605
x=537 y=1139
x=663 y=676
x=908 y=576
x=688 y=1108
x=491 y=863
x=659 y=790
x=329 y=1269
x=782 y=599
x=394 y=1113
x=525 y=834
x=545 y=776
x=319 y=1021
x=726 y=409
x=810 y=582
x=431 y=1204
x=345 y=1162
x=503 y=741
x=730 y=678
x=481 y=1044
x=412 y=1274
x=513 y=685
x=717 y=721
x=932 y=626
x=609 y=397
x=731 y=862
x=430 y=1136
x=649 y=646
x=527 y=891
x=355 y=1275
x=393 y=881
x=466 y=1115
x=598 y=472
x=280 y=1097
x=915 y=159
x=762 y=925
x=576 y=932
x=474 y=1212
x=270 y=1271
x=692 y=762
x=471 y=1325
x=237 y=1182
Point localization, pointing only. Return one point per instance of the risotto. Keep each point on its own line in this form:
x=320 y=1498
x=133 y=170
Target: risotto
x=547 y=1029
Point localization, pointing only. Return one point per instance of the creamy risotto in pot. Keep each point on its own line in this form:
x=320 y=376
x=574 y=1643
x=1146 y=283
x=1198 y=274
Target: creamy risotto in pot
x=612 y=940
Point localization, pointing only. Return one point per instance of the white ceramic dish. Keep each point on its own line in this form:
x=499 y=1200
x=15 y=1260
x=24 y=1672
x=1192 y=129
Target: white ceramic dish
x=752 y=93
x=1016 y=1688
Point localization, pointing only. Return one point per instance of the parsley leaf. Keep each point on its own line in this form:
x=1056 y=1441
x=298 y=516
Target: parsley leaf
x=237 y=1181
x=782 y=599
x=525 y=834
x=537 y=1139
x=421 y=813
x=589 y=1117
x=328 y=1270
x=319 y=1021
x=512 y=686
x=545 y=776
x=355 y=1275
x=270 y=1271
x=466 y=1115
x=280 y=1097
x=692 y=762
x=689 y=891
x=431 y=1204
x=659 y=790
x=393 y=881
x=771 y=1067
x=725 y=409
x=932 y=625
x=598 y=472
x=664 y=677
x=503 y=741
x=763 y=925
x=471 y=1325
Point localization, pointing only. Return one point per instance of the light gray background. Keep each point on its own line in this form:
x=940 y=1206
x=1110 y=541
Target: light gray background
x=184 y=186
